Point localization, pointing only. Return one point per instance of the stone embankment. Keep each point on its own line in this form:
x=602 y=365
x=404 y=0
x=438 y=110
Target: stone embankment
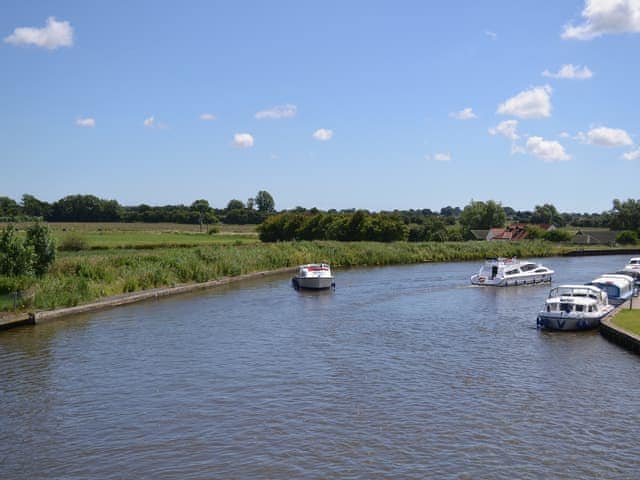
x=42 y=316
x=618 y=335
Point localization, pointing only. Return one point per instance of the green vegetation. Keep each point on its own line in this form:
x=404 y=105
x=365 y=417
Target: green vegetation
x=627 y=237
x=628 y=320
x=78 y=277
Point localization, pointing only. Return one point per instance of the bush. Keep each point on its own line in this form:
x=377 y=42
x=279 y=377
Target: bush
x=213 y=230
x=557 y=235
x=44 y=248
x=627 y=237
x=16 y=258
x=73 y=242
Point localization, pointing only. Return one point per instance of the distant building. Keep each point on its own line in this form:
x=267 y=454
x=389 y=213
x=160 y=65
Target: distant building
x=514 y=232
x=595 y=237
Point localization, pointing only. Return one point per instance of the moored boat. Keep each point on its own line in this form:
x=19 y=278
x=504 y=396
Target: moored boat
x=633 y=265
x=574 y=307
x=505 y=272
x=315 y=276
x=619 y=288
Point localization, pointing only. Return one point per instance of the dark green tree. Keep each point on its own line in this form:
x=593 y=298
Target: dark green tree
x=264 y=202
x=44 y=249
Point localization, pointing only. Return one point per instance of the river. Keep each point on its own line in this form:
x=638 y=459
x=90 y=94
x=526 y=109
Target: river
x=402 y=372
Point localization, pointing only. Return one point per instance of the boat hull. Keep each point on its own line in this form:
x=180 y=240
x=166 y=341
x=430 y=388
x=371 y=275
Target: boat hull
x=314 y=283
x=564 y=322
x=511 y=282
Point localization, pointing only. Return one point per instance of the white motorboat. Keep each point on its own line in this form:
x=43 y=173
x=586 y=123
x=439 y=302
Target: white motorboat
x=633 y=265
x=314 y=275
x=506 y=272
x=574 y=307
x=619 y=288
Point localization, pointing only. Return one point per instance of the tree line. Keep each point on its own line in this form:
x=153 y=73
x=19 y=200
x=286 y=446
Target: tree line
x=89 y=208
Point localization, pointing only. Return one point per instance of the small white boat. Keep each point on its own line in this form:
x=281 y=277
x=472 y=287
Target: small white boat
x=314 y=275
x=619 y=288
x=506 y=272
x=574 y=307
x=633 y=265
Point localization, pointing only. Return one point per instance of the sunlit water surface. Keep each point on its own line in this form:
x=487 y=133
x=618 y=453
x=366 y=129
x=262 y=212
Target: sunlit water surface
x=402 y=372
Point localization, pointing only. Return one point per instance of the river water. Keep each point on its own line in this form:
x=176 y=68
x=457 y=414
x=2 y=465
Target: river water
x=402 y=372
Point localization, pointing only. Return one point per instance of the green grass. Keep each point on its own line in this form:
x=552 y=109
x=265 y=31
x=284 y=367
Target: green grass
x=80 y=277
x=629 y=320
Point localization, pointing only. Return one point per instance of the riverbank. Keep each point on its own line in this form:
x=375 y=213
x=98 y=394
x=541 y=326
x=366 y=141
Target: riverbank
x=623 y=328
x=78 y=278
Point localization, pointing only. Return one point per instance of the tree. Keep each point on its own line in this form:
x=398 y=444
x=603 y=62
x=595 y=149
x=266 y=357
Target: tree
x=482 y=215
x=8 y=207
x=264 y=202
x=548 y=214
x=40 y=241
x=32 y=207
x=16 y=259
x=626 y=215
x=235 y=205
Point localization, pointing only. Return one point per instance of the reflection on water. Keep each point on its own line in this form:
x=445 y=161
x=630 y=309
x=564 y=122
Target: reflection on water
x=402 y=372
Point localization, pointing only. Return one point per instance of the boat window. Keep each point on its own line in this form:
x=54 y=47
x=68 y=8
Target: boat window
x=566 y=307
x=527 y=267
x=512 y=272
x=541 y=270
x=579 y=308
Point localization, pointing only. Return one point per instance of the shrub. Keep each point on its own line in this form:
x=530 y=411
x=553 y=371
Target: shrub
x=557 y=235
x=73 y=242
x=627 y=237
x=44 y=248
x=213 y=230
x=16 y=258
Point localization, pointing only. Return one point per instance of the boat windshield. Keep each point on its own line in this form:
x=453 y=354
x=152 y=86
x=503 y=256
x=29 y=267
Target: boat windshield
x=572 y=292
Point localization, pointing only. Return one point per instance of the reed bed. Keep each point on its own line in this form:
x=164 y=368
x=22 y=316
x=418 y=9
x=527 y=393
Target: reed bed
x=81 y=277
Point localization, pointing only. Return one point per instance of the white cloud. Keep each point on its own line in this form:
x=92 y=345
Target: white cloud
x=632 y=155
x=508 y=128
x=86 y=122
x=464 y=114
x=442 y=157
x=533 y=103
x=280 y=111
x=207 y=117
x=547 y=150
x=605 y=16
x=243 y=140
x=569 y=71
x=323 y=134
x=606 y=137
x=149 y=122
x=54 y=35
x=490 y=34
x=564 y=135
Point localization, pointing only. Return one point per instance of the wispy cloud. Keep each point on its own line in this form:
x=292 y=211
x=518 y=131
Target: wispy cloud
x=571 y=72
x=207 y=117
x=86 y=122
x=243 y=140
x=532 y=103
x=280 y=111
x=149 y=122
x=602 y=17
x=508 y=129
x=442 y=157
x=490 y=34
x=464 y=114
x=547 y=150
x=53 y=35
x=323 y=134
x=632 y=155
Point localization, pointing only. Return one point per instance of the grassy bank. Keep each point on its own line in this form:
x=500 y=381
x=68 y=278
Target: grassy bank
x=628 y=320
x=80 y=277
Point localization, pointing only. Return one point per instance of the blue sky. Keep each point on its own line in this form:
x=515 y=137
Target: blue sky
x=376 y=105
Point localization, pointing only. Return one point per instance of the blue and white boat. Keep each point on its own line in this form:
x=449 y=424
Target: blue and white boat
x=574 y=307
x=507 y=272
x=619 y=288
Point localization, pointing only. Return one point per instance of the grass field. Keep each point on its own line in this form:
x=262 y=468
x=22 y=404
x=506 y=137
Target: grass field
x=629 y=320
